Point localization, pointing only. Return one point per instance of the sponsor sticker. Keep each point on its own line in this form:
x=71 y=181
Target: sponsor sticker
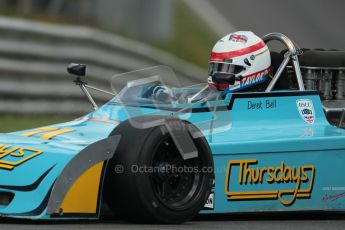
x=247 y=179
x=306 y=110
x=210 y=202
x=250 y=80
x=13 y=156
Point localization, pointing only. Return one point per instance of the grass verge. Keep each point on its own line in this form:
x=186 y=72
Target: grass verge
x=11 y=123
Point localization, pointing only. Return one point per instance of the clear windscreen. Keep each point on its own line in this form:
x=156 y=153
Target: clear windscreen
x=157 y=91
x=157 y=85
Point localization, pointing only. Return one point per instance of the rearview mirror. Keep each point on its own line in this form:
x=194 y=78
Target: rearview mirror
x=223 y=78
x=77 y=69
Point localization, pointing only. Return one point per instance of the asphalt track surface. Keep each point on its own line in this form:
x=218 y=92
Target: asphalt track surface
x=301 y=221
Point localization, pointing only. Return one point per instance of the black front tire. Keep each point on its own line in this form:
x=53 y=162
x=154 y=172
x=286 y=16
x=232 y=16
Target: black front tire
x=145 y=192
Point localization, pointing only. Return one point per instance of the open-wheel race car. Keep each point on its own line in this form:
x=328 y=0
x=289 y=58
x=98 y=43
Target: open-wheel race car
x=157 y=152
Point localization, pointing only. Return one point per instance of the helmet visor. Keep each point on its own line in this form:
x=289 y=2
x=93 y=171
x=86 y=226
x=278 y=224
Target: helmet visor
x=223 y=67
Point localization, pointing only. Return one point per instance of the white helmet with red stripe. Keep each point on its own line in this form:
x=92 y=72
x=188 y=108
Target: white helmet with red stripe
x=242 y=54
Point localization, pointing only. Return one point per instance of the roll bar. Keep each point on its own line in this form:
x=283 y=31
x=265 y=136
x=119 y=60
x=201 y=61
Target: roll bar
x=290 y=55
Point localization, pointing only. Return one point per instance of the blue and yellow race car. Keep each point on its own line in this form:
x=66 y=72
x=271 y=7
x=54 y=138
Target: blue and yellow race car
x=157 y=152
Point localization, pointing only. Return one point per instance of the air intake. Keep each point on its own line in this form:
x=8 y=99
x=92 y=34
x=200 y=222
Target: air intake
x=6 y=198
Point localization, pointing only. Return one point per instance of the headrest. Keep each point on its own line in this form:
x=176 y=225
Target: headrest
x=322 y=58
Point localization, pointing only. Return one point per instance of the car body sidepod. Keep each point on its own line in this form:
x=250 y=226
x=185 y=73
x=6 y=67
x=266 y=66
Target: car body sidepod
x=269 y=155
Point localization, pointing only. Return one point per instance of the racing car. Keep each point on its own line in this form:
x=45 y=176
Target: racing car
x=158 y=152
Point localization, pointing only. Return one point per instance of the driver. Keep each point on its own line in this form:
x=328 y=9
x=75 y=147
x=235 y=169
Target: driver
x=243 y=55
x=159 y=92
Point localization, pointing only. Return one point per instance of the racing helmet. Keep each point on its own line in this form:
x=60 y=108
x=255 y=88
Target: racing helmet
x=243 y=55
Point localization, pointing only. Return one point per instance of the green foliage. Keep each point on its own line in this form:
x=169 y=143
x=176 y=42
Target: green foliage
x=193 y=39
x=11 y=123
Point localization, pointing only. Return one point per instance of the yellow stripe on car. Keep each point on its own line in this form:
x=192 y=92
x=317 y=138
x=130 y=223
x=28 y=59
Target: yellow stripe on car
x=50 y=132
x=82 y=198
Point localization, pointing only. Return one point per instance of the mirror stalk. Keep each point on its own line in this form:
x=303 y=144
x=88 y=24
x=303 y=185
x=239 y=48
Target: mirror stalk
x=88 y=95
x=79 y=70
